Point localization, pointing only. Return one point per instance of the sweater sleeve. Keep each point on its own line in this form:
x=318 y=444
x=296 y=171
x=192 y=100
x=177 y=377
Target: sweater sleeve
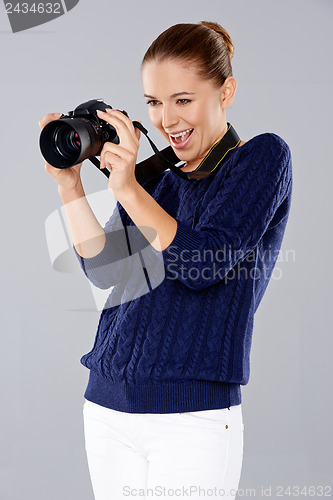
x=107 y=268
x=236 y=217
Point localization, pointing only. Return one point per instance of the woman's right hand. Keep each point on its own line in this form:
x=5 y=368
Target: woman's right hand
x=67 y=178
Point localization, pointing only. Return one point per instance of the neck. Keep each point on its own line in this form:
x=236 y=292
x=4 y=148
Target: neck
x=193 y=164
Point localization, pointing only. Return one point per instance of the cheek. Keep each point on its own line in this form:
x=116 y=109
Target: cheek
x=200 y=123
x=153 y=114
x=155 y=118
x=201 y=117
x=208 y=120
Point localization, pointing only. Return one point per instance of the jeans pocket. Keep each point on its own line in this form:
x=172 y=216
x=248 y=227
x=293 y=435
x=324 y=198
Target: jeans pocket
x=215 y=417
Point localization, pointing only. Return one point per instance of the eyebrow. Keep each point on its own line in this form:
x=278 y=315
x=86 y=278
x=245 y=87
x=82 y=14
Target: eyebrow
x=172 y=96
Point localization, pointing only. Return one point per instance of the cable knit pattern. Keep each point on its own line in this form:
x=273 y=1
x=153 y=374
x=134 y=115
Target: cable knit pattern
x=183 y=343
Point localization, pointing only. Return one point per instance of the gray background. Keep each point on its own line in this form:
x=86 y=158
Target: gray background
x=282 y=63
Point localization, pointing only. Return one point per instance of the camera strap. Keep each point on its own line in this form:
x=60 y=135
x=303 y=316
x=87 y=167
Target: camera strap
x=167 y=159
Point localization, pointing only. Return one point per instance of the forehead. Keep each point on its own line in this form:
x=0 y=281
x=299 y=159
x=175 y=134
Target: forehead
x=170 y=75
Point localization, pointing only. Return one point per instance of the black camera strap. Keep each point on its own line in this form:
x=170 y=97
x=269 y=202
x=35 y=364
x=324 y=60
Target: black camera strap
x=167 y=159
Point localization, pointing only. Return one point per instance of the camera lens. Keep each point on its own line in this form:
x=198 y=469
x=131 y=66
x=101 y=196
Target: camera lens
x=73 y=140
x=67 y=142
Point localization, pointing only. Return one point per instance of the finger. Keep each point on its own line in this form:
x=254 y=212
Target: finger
x=108 y=147
x=123 y=126
x=137 y=131
x=115 y=151
x=113 y=160
x=48 y=118
x=121 y=116
x=50 y=169
x=129 y=123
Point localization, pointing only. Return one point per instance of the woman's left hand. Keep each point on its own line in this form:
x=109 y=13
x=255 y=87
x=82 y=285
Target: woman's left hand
x=120 y=158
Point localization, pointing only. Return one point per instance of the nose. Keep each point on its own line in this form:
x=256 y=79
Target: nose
x=169 y=118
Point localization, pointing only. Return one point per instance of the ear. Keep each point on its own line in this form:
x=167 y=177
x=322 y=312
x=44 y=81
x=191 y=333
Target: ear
x=228 y=92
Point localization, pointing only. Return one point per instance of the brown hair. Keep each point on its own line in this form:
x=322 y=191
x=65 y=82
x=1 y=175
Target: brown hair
x=205 y=45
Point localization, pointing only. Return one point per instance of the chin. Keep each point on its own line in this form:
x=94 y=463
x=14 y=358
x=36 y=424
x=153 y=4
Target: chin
x=180 y=154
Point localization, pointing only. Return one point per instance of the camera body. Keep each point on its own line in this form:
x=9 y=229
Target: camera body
x=77 y=136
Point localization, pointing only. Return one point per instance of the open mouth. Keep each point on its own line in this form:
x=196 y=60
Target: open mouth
x=180 y=140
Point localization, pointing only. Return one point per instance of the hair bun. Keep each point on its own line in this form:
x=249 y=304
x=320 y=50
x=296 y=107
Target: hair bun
x=223 y=33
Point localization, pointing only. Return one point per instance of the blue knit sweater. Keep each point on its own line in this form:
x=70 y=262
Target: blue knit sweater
x=179 y=340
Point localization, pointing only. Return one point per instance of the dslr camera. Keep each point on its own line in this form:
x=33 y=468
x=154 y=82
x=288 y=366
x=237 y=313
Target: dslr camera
x=77 y=136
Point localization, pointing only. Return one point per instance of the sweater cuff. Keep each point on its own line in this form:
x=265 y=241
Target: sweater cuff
x=185 y=238
x=115 y=249
x=183 y=246
x=198 y=257
x=106 y=268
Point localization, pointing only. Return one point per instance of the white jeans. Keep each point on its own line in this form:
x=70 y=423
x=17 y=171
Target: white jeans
x=191 y=455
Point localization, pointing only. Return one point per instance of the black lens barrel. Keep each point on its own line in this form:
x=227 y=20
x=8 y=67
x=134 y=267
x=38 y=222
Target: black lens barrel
x=69 y=141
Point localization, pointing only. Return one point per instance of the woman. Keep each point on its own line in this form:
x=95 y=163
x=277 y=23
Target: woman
x=162 y=409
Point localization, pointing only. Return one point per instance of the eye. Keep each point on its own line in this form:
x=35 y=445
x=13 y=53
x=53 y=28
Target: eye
x=184 y=101
x=152 y=102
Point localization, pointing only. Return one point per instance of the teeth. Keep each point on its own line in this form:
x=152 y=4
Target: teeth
x=181 y=133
